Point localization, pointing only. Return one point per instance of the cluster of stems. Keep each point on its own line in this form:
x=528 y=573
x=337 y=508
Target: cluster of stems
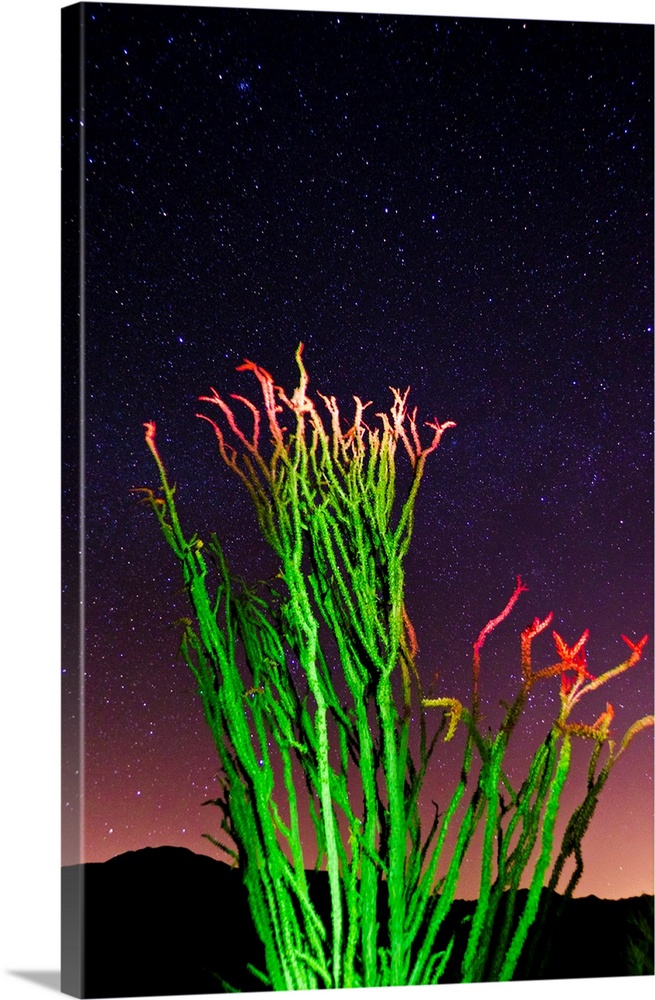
x=310 y=686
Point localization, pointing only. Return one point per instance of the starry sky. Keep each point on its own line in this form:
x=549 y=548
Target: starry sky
x=459 y=205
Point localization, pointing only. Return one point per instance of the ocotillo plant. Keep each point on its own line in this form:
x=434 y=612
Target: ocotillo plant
x=309 y=684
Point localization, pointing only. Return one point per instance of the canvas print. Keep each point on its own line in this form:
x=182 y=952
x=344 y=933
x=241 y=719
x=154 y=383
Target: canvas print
x=357 y=500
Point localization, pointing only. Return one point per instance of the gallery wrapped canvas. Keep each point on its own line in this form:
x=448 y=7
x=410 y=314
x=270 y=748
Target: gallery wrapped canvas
x=357 y=485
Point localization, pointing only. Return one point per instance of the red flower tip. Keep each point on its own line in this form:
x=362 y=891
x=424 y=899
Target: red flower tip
x=571 y=654
x=636 y=647
x=573 y=658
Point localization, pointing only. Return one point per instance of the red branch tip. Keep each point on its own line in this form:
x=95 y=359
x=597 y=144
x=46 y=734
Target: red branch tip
x=491 y=625
x=532 y=631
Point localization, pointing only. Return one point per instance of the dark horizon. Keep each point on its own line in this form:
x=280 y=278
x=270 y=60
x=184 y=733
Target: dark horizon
x=164 y=954
x=235 y=867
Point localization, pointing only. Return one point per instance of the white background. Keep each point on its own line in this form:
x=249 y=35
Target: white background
x=29 y=475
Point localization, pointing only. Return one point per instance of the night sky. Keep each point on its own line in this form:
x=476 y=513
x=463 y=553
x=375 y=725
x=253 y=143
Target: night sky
x=459 y=205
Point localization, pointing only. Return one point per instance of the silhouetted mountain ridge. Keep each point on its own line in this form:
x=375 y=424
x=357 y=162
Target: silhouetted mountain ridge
x=165 y=920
